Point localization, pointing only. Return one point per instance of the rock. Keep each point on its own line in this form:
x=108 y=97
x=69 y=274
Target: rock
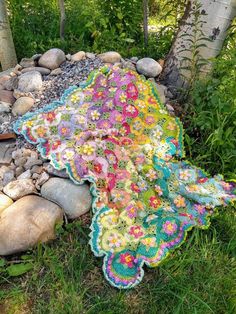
x=170 y=108
x=43 y=177
x=56 y=71
x=19 y=188
x=4 y=79
x=36 y=57
x=78 y=56
x=43 y=71
x=52 y=59
x=58 y=173
x=90 y=55
x=110 y=57
x=24 y=175
x=161 y=92
x=23 y=152
x=6 y=149
x=35 y=175
x=4 y=107
x=36 y=169
x=74 y=199
x=19 y=170
x=7 y=96
x=161 y=89
x=27 y=63
x=17 y=69
x=32 y=161
x=27 y=222
x=148 y=67
x=134 y=59
x=11 y=84
x=19 y=162
x=128 y=65
x=8 y=177
x=5 y=202
x=68 y=57
x=17 y=94
x=30 y=81
x=22 y=105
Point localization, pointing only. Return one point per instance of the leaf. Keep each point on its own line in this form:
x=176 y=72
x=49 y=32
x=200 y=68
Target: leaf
x=119 y=15
x=18 y=269
x=2 y=262
x=129 y=40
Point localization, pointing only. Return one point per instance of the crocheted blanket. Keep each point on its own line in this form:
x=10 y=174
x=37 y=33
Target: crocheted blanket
x=113 y=132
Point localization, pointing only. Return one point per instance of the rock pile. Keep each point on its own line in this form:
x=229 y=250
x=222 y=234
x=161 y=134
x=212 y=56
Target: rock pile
x=33 y=195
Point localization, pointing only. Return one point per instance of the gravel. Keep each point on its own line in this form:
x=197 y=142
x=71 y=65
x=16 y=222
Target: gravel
x=73 y=73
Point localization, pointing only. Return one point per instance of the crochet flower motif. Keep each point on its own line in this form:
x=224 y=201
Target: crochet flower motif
x=115 y=133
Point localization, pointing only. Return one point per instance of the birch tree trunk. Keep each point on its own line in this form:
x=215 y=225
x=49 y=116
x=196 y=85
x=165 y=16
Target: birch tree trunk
x=62 y=19
x=7 y=49
x=217 y=15
x=145 y=22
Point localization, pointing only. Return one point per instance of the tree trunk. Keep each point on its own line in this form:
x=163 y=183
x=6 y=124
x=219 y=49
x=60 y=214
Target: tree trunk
x=7 y=49
x=62 y=19
x=217 y=16
x=145 y=22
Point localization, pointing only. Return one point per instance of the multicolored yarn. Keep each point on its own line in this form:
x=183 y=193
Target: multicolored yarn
x=114 y=132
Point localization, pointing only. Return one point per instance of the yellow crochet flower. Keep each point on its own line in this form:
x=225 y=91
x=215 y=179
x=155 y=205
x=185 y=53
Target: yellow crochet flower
x=87 y=149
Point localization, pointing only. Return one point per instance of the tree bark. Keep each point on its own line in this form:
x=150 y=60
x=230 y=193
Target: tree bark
x=7 y=50
x=145 y=22
x=62 y=19
x=217 y=15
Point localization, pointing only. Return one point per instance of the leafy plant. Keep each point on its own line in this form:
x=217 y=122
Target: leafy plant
x=192 y=61
x=211 y=117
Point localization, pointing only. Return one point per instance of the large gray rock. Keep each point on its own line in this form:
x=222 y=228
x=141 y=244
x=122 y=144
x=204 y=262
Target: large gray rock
x=19 y=188
x=110 y=57
x=74 y=199
x=22 y=105
x=30 y=81
x=25 y=223
x=148 y=67
x=52 y=59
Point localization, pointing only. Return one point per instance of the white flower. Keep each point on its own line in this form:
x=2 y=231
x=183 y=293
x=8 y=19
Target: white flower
x=157 y=133
x=151 y=175
x=184 y=175
x=95 y=115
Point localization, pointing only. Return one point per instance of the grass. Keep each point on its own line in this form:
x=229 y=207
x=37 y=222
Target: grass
x=66 y=278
